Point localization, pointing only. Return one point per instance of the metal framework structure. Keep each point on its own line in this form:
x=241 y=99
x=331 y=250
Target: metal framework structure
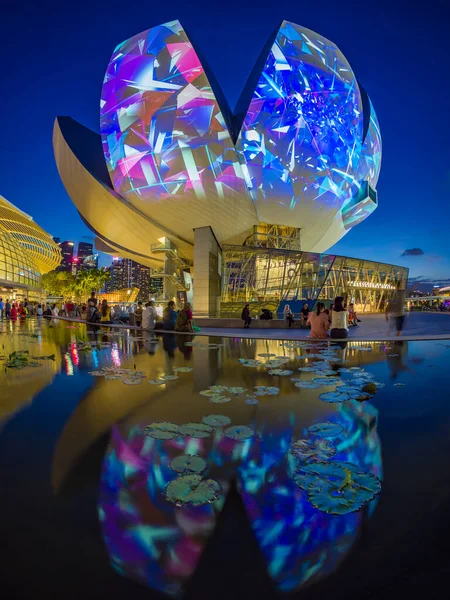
x=39 y=245
x=268 y=277
x=266 y=235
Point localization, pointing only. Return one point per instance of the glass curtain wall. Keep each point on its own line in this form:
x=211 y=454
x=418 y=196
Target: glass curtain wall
x=267 y=278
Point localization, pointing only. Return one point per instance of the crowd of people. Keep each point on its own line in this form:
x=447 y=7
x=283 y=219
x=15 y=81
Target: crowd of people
x=334 y=321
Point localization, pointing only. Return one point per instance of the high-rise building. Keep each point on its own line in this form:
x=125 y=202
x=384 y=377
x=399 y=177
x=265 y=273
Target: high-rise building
x=126 y=273
x=116 y=272
x=67 y=262
x=85 y=249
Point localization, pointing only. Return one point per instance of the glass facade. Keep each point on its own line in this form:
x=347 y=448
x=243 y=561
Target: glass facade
x=268 y=277
x=17 y=270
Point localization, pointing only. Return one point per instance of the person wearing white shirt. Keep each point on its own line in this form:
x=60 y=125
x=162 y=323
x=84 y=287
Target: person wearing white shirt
x=55 y=311
x=339 y=324
x=149 y=317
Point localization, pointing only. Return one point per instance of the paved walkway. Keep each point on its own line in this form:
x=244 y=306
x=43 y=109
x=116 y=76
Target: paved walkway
x=418 y=326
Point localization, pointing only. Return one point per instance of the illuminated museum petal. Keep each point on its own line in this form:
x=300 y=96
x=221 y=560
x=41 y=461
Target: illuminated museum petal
x=166 y=143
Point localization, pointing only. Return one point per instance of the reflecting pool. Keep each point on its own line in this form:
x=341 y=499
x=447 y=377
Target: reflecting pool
x=201 y=467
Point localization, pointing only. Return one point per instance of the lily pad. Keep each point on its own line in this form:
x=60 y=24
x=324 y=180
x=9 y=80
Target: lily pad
x=183 y=369
x=239 y=432
x=251 y=400
x=196 y=430
x=266 y=354
x=133 y=381
x=308 y=385
x=262 y=390
x=236 y=390
x=219 y=399
x=156 y=381
x=326 y=429
x=333 y=397
x=342 y=488
x=169 y=377
x=324 y=381
x=216 y=420
x=192 y=489
x=315 y=450
x=97 y=373
x=162 y=431
x=113 y=377
x=280 y=372
x=187 y=462
x=398 y=385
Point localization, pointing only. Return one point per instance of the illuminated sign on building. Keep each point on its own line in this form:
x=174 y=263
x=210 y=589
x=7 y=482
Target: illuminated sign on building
x=371 y=285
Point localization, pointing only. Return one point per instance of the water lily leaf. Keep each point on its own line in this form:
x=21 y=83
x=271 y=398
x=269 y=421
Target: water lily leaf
x=218 y=399
x=236 y=390
x=266 y=354
x=192 y=489
x=334 y=397
x=217 y=389
x=156 y=381
x=183 y=369
x=251 y=400
x=262 y=390
x=308 y=385
x=169 y=377
x=307 y=369
x=216 y=420
x=313 y=450
x=196 y=430
x=239 y=432
x=133 y=381
x=162 y=431
x=211 y=392
x=398 y=385
x=187 y=462
x=113 y=377
x=341 y=496
x=326 y=429
x=280 y=372
x=324 y=381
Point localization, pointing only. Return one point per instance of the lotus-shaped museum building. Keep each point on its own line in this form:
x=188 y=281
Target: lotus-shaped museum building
x=177 y=182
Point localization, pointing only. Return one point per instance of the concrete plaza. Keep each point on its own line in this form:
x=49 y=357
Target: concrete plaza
x=418 y=325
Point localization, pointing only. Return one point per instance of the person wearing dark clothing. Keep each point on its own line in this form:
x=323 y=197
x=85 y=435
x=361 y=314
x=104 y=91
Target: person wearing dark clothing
x=304 y=314
x=170 y=316
x=245 y=316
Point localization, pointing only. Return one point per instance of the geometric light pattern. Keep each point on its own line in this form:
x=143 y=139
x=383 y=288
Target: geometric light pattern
x=308 y=140
x=301 y=138
x=162 y=129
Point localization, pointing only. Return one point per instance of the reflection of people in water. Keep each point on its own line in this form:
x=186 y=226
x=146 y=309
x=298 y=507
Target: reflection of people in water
x=395 y=358
x=186 y=350
x=150 y=342
x=169 y=344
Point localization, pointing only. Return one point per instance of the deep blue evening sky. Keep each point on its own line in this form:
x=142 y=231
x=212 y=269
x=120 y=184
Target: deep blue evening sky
x=55 y=55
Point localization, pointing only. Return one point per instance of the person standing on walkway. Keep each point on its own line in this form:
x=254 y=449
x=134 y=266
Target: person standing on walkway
x=2 y=308
x=8 y=309
x=245 y=316
x=395 y=309
x=184 y=319
x=288 y=315
x=339 y=326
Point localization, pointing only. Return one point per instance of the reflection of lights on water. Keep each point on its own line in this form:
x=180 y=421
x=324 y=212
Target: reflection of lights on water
x=68 y=364
x=95 y=357
x=115 y=356
x=74 y=354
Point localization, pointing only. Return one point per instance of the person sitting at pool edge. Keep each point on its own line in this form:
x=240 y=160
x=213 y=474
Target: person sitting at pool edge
x=339 y=327
x=170 y=316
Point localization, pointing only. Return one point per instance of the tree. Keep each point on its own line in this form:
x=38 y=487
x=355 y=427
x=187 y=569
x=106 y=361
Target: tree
x=90 y=280
x=59 y=283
